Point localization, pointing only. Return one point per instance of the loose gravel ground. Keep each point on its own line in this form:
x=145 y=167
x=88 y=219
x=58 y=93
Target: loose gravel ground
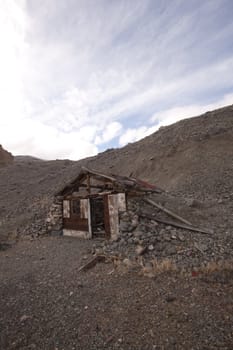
x=47 y=303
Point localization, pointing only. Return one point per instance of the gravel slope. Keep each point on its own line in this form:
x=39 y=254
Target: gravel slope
x=46 y=303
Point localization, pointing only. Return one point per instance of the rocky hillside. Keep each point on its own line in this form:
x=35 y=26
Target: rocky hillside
x=192 y=158
x=165 y=286
x=5 y=157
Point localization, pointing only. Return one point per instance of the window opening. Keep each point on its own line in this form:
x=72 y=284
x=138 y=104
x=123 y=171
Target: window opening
x=75 y=207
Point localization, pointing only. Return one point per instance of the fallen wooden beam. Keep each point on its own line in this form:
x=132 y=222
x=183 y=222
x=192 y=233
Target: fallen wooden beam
x=168 y=211
x=93 y=186
x=177 y=224
x=90 y=264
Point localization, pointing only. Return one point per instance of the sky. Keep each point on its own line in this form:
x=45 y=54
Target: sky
x=80 y=76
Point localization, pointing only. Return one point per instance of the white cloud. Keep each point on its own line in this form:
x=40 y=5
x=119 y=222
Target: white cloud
x=170 y=116
x=12 y=45
x=135 y=134
x=175 y=114
x=111 y=131
x=46 y=142
x=73 y=76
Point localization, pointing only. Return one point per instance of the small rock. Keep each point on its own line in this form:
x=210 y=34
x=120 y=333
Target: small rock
x=135 y=221
x=170 y=298
x=201 y=246
x=167 y=238
x=151 y=247
x=114 y=246
x=125 y=226
x=154 y=223
x=170 y=250
x=127 y=262
x=181 y=237
x=160 y=247
x=140 y=250
x=137 y=233
x=24 y=318
x=189 y=202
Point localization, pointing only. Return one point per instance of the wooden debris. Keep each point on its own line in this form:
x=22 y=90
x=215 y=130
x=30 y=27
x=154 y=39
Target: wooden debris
x=177 y=224
x=97 y=259
x=168 y=211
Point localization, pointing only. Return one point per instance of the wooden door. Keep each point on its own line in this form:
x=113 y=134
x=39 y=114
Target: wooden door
x=75 y=214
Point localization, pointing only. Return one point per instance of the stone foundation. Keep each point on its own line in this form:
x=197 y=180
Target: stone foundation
x=54 y=219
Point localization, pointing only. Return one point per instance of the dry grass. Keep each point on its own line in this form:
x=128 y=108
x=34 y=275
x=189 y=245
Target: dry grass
x=157 y=267
x=151 y=269
x=124 y=265
x=217 y=266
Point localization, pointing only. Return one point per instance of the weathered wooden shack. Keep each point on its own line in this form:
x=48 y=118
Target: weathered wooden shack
x=91 y=204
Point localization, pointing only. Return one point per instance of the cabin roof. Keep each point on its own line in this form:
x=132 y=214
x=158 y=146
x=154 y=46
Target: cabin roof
x=111 y=182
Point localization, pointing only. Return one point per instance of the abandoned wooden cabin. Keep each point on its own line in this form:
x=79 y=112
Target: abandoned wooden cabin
x=90 y=206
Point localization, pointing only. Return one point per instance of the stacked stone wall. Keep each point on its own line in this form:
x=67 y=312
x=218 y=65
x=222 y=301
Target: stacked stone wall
x=54 y=220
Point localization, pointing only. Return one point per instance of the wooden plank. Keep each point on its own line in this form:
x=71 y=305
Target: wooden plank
x=177 y=224
x=66 y=208
x=106 y=217
x=98 y=174
x=76 y=224
x=168 y=211
x=113 y=215
x=88 y=184
x=84 y=208
x=90 y=264
x=93 y=186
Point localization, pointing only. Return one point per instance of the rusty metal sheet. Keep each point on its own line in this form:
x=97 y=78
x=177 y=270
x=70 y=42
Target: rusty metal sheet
x=66 y=209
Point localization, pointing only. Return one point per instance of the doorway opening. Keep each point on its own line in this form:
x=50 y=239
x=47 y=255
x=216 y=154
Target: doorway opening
x=97 y=217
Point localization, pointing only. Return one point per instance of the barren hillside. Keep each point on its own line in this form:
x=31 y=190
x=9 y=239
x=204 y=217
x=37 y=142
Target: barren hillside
x=177 y=294
x=192 y=158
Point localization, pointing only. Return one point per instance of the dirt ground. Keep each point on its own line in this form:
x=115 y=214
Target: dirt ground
x=47 y=303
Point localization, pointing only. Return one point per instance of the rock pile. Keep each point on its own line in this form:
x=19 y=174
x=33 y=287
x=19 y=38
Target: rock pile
x=54 y=219
x=153 y=240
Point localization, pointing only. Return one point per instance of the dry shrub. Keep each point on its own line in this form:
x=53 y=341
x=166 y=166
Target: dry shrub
x=157 y=267
x=125 y=265
x=217 y=266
